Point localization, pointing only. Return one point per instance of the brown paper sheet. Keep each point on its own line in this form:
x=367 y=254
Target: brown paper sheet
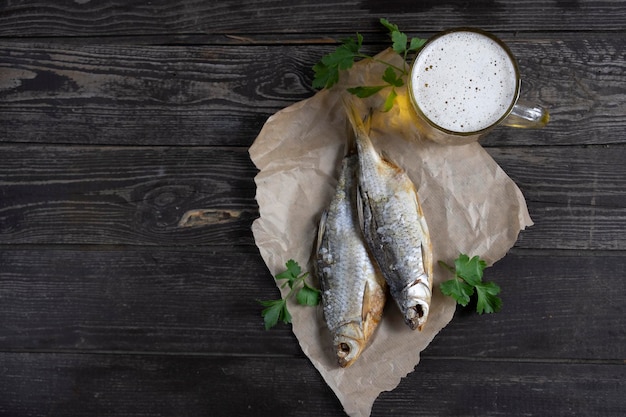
x=470 y=204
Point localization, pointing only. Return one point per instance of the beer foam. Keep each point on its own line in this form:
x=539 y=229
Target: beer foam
x=464 y=81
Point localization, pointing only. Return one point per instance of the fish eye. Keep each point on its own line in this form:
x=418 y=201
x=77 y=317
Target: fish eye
x=344 y=347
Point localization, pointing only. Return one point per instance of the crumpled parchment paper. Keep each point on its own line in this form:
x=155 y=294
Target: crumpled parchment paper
x=470 y=204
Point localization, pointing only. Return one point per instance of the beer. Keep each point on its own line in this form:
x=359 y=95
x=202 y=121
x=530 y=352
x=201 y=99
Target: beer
x=464 y=82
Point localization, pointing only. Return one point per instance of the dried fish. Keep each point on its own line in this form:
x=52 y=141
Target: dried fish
x=394 y=227
x=353 y=289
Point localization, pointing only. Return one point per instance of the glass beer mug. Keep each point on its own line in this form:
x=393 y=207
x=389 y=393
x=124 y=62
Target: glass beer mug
x=463 y=83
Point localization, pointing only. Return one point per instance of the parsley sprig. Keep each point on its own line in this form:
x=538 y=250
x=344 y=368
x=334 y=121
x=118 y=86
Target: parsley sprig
x=468 y=275
x=276 y=310
x=327 y=70
x=401 y=43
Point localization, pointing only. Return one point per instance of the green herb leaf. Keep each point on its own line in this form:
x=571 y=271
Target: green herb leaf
x=292 y=272
x=366 y=91
x=390 y=26
x=324 y=76
x=416 y=44
x=467 y=281
x=399 y=40
x=391 y=77
x=391 y=98
x=276 y=310
x=308 y=296
x=343 y=57
x=471 y=270
x=457 y=289
x=488 y=302
x=327 y=70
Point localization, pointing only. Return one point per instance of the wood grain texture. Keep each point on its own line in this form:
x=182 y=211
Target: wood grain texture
x=555 y=305
x=222 y=95
x=140 y=95
x=131 y=385
x=204 y=301
x=139 y=195
x=128 y=271
x=98 y=195
x=106 y=18
x=145 y=299
x=494 y=388
x=575 y=195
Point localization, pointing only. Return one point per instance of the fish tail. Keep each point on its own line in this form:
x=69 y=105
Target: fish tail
x=359 y=127
x=351 y=148
x=355 y=126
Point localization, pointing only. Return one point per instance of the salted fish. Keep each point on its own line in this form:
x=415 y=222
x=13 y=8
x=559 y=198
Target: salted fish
x=394 y=227
x=353 y=289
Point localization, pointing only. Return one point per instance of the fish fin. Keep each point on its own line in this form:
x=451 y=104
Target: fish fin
x=389 y=161
x=387 y=165
x=359 y=127
x=351 y=148
x=364 y=213
x=427 y=250
x=367 y=313
x=366 y=303
x=359 y=208
x=321 y=229
x=367 y=122
x=373 y=305
x=365 y=146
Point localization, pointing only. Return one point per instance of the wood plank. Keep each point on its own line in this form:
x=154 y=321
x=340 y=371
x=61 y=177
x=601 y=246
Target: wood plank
x=106 y=18
x=448 y=387
x=555 y=305
x=131 y=385
x=139 y=195
x=128 y=273
x=138 y=95
x=221 y=95
x=177 y=300
x=576 y=196
x=127 y=385
x=174 y=196
x=564 y=306
x=571 y=77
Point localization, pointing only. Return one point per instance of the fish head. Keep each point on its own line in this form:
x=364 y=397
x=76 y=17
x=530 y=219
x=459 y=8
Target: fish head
x=349 y=343
x=416 y=315
x=417 y=301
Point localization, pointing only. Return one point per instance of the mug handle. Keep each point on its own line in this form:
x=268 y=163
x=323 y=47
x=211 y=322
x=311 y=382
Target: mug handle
x=526 y=115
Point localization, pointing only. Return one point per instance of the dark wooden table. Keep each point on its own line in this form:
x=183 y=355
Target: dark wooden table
x=128 y=271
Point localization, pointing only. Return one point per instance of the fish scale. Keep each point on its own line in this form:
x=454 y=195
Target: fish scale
x=353 y=289
x=394 y=228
